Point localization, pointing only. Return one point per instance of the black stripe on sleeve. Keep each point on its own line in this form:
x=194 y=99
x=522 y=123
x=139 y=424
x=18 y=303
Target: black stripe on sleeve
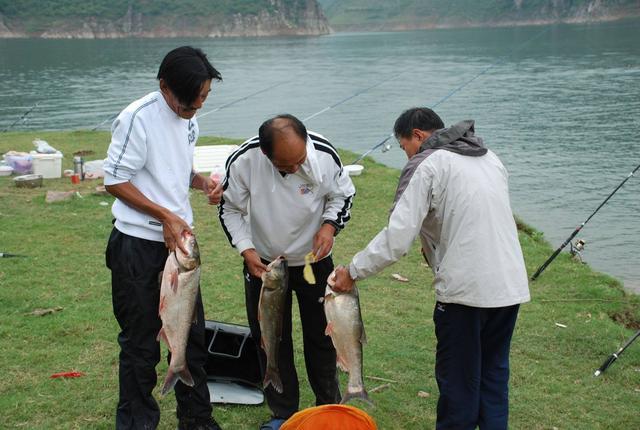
x=325 y=146
x=345 y=213
x=224 y=227
x=250 y=144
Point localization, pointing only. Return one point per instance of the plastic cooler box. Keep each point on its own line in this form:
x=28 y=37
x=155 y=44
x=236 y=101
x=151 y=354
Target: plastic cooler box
x=47 y=165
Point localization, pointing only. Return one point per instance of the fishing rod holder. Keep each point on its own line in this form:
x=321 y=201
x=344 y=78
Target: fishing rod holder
x=576 y=249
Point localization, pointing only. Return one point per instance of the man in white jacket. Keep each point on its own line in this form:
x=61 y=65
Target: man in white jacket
x=454 y=194
x=149 y=169
x=286 y=194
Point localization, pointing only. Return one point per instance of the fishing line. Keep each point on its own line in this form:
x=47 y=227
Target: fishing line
x=226 y=105
x=242 y=98
x=356 y=94
x=577 y=230
x=24 y=115
x=112 y=117
x=456 y=90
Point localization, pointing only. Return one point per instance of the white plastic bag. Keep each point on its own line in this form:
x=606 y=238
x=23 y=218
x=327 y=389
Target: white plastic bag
x=42 y=147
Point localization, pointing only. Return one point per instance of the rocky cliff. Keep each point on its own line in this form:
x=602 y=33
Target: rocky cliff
x=376 y=15
x=137 y=19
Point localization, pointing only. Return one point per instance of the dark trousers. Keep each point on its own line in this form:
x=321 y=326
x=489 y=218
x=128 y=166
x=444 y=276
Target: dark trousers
x=135 y=270
x=472 y=365
x=319 y=353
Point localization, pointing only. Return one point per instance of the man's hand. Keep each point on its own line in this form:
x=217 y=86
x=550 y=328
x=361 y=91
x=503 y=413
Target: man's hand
x=213 y=189
x=172 y=228
x=323 y=241
x=255 y=266
x=340 y=281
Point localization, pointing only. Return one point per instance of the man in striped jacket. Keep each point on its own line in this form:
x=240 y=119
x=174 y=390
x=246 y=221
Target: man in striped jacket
x=286 y=194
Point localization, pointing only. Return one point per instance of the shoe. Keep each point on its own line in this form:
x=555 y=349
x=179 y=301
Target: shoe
x=272 y=424
x=192 y=424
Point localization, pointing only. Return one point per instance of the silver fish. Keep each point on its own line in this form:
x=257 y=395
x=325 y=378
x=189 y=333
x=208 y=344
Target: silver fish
x=345 y=326
x=178 y=293
x=275 y=283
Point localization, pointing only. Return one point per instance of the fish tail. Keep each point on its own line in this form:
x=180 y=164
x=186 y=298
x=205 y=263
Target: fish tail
x=172 y=378
x=273 y=377
x=362 y=395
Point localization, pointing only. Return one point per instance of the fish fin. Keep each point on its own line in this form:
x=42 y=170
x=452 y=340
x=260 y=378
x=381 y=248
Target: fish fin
x=162 y=335
x=172 y=378
x=329 y=329
x=272 y=378
x=174 y=281
x=361 y=395
x=341 y=363
x=363 y=337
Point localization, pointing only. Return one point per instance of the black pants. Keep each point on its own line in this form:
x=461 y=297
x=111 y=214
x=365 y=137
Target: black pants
x=319 y=353
x=135 y=268
x=472 y=365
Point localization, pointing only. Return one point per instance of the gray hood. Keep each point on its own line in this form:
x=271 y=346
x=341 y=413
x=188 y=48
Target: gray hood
x=459 y=138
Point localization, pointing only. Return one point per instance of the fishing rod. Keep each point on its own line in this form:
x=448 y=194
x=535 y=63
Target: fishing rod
x=613 y=357
x=356 y=94
x=452 y=92
x=7 y=255
x=24 y=115
x=577 y=230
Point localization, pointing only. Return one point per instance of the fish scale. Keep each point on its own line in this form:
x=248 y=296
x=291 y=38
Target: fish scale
x=178 y=293
x=345 y=326
x=275 y=283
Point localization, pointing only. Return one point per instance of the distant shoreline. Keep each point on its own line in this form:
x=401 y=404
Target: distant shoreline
x=372 y=28
x=100 y=33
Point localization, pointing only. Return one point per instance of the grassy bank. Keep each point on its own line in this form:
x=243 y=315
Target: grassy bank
x=552 y=366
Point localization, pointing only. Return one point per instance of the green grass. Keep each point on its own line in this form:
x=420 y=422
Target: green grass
x=552 y=367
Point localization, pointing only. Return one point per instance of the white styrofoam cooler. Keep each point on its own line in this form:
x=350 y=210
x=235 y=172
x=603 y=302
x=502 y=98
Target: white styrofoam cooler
x=47 y=165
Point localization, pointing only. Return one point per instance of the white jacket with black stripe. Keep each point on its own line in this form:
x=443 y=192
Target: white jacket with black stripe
x=279 y=214
x=152 y=148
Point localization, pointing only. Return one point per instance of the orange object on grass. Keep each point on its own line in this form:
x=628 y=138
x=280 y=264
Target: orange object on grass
x=330 y=417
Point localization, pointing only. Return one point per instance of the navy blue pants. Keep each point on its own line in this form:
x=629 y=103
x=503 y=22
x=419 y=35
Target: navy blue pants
x=472 y=365
x=135 y=267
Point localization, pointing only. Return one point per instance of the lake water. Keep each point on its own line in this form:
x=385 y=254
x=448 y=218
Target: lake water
x=559 y=104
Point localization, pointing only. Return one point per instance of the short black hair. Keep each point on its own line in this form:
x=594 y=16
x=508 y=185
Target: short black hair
x=418 y=117
x=185 y=70
x=266 y=131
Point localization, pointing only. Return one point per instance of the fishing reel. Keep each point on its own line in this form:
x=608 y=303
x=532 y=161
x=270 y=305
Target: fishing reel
x=576 y=249
x=386 y=147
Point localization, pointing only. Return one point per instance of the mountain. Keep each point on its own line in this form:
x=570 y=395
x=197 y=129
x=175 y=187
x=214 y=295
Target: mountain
x=376 y=15
x=159 y=18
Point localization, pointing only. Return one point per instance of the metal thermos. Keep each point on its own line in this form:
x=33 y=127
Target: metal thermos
x=78 y=167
